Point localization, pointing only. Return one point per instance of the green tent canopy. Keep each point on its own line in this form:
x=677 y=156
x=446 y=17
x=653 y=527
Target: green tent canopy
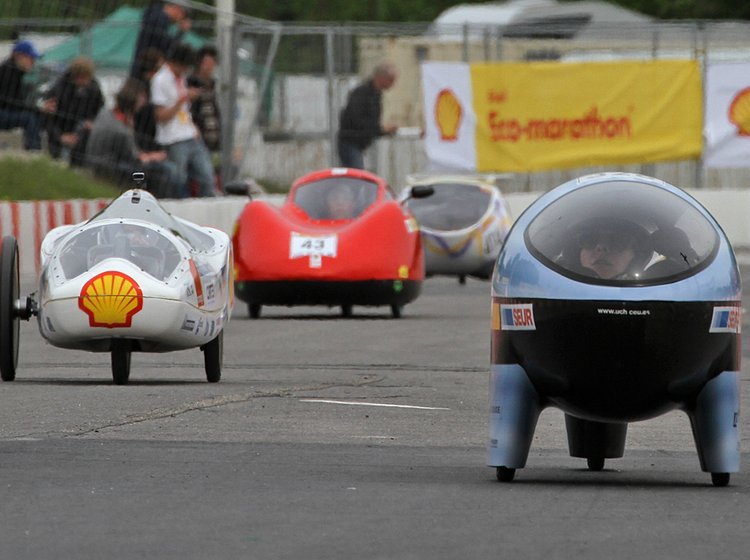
x=110 y=43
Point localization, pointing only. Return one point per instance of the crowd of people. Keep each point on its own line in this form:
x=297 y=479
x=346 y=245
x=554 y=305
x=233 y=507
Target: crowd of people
x=165 y=120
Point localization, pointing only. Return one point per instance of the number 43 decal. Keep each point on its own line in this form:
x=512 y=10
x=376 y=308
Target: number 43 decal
x=313 y=246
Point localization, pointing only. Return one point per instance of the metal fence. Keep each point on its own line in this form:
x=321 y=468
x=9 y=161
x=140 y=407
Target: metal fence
x=281 y=86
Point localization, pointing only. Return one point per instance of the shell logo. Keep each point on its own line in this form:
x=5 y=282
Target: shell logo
x=448 y=114
x=739 y=112
x=110 y=299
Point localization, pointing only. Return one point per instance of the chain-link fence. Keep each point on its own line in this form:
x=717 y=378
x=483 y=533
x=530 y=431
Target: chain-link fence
x=280 y=88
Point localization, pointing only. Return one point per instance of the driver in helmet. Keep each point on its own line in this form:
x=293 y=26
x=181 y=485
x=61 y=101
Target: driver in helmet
x=611 y=249
x=139 y=236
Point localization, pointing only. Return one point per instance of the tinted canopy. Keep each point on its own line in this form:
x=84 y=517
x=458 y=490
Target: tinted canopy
x=453 y=206
x=622 y=233
x=335 y=198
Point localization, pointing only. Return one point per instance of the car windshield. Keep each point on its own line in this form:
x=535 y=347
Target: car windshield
x=452 y=206
x=145 y=207
x=339 y=198
x=146 y=247
x=622 y=233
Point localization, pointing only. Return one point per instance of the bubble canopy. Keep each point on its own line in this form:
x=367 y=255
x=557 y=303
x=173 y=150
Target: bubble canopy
x=453 y=206
x=622 y=233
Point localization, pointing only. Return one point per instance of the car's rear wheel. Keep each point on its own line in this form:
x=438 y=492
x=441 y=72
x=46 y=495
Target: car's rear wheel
x=253 y=309
x=9 y=319
x=396 y=311
x=595 y=463
x=213 y=358
x=505 y=474
x=121 y=351
x=720 y=479
x=346 y=310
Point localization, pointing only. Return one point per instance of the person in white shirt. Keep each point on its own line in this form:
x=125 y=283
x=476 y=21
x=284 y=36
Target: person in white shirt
x=175 y=129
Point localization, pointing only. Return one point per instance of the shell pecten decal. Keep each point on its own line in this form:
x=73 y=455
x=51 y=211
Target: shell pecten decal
x=739 y=112
x=111 y=299
x=448 y=113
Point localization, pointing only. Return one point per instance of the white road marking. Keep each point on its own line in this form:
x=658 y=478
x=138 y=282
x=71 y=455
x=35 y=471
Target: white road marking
x=375 y=404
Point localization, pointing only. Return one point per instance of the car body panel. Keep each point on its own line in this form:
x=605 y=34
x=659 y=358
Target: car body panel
x=463 y=225
x=293 y=252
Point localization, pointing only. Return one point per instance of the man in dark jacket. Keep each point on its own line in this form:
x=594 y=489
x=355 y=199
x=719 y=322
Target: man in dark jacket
x=144 y=120
x=73 y=103
x=205 y=109
x=16 y=108
x=359 y=122
x=156 y=29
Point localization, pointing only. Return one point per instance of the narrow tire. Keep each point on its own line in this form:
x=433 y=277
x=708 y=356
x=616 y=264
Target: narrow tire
x=9 y=318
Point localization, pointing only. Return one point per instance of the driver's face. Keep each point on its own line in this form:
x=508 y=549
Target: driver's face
x=140 y=237
x=341 y=205
x=608 y=253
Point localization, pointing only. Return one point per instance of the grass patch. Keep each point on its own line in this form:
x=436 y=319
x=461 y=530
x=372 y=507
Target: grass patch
x=37 y=177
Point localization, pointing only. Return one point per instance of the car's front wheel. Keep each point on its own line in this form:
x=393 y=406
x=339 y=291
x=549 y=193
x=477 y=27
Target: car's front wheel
x=121 y=351
x=9 y=291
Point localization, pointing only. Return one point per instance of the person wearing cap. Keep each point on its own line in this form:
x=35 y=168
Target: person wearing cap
x=175 y=129
x=156 y=30
x=16 y=108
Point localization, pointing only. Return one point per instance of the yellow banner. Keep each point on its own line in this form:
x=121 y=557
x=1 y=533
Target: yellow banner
x=552 y=115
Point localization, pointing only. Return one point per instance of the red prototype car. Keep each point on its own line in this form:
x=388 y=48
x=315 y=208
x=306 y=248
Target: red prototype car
x=340 y=239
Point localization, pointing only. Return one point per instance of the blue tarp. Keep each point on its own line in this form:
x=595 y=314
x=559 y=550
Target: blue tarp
x=110 y=43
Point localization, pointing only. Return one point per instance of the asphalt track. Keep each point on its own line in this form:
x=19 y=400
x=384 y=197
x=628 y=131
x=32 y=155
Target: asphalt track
x=332 y=438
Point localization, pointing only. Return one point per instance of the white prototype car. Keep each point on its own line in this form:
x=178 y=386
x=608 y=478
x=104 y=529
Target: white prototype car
x=134 y=278
x=463 y=225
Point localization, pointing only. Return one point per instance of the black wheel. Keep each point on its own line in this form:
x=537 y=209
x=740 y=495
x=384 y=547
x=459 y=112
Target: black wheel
x=505 y=474
x=253 y=309
x=213 y=357
x=346 y=310
x=396 y=311
x=121 y=350
x=462 y=279
x=720 y=479
x=10 y=322
x=595 y=463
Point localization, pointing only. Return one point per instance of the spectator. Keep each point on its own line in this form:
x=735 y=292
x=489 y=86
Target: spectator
x=205 y=109
x=145 y=121
x=16 y=107
x=156 y=29
x=72 y=105
x=359 y=122
x=112 y=152
x=175 y=129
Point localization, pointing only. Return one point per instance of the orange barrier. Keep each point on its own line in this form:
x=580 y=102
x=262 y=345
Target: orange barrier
x=29 y=222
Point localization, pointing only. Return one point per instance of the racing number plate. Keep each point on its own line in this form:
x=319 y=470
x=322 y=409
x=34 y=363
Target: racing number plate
x=313 y=246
